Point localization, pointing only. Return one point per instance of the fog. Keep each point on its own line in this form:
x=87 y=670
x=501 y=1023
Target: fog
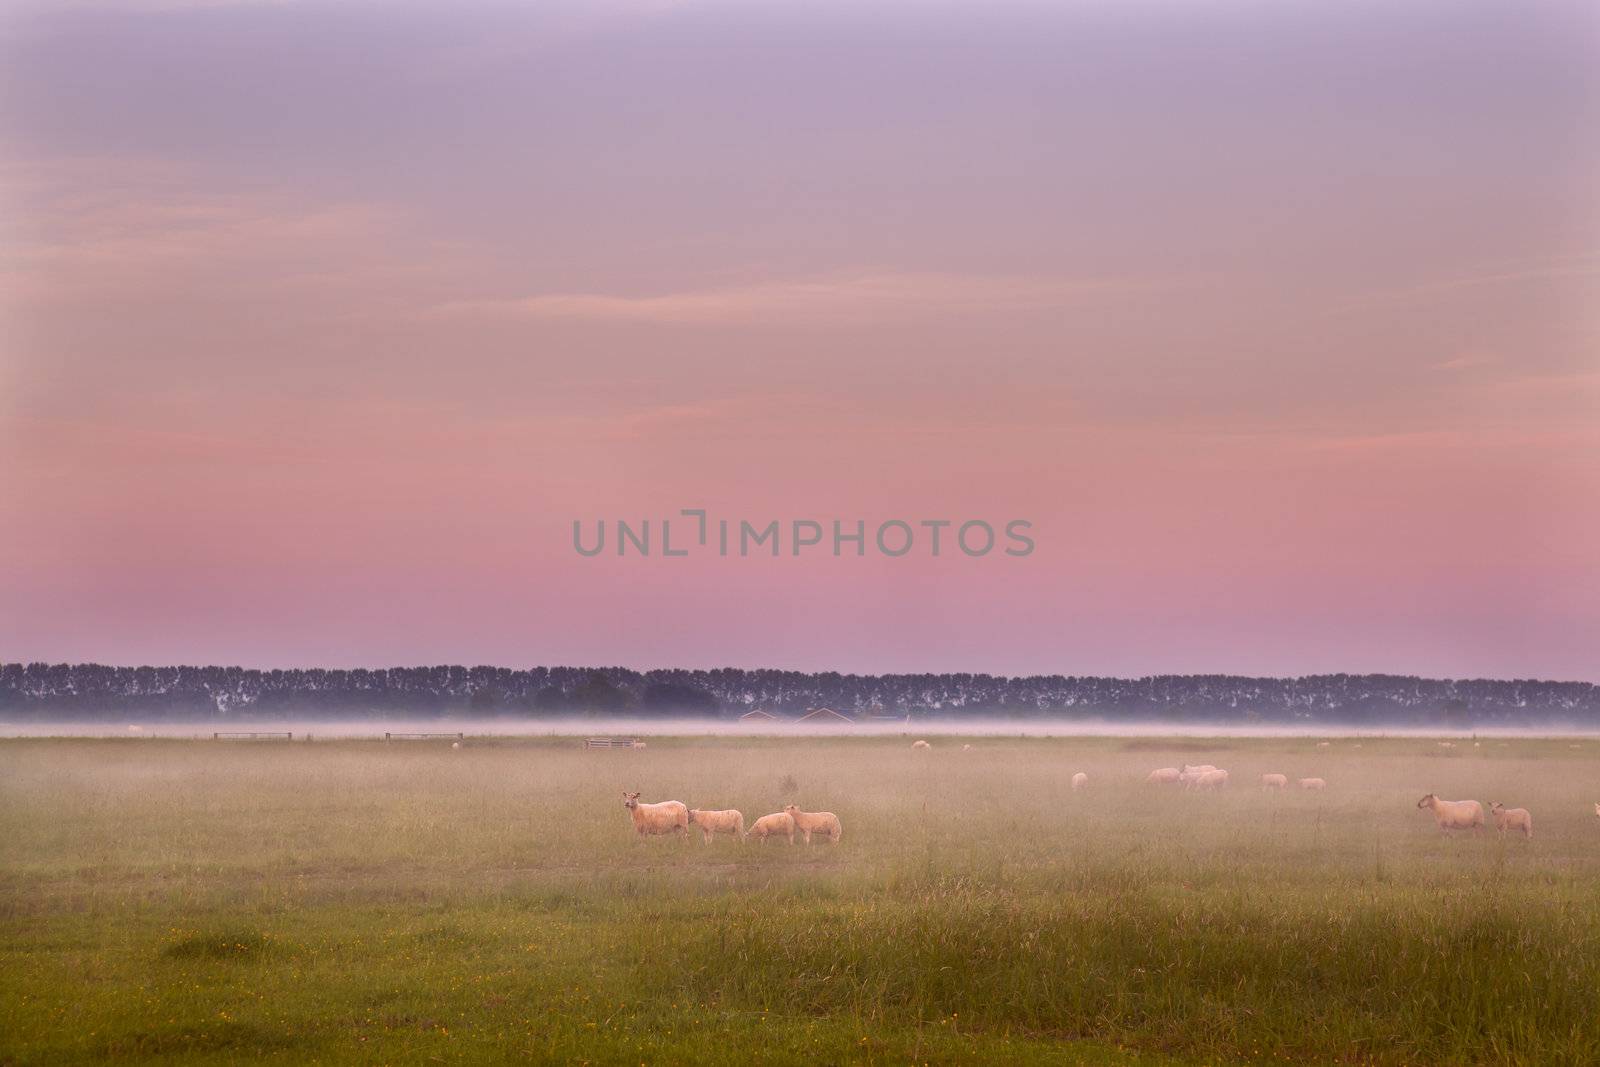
x=374 y=729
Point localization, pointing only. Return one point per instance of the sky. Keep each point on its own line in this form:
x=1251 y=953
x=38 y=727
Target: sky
x=322 y=322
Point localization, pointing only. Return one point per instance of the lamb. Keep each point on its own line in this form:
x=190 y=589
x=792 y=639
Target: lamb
x=667 y=817
x=1511 y=818
x=728 y=821
x=1315 y=784
x=1454 y=814
x=1080 y=780
x=1210 y=780
x=920 y=744
x=1274 y=781
x=814 y=822
x=778 y=824
x=1170 y=776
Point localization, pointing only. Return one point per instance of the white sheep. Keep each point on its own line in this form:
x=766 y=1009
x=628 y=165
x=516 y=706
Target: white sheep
x=1164 y=776
x=1597 y=811
x=727 y=821
x=814 y=822
x=778 y=824
x=1274 y=781
x=667 y=817
x=1324 y=744
x=1210 y=780
x=1454 y=814
x=920 y=744
x=1080 y=780
x=1314 y=784
x=1511 y=818
x=966 y=748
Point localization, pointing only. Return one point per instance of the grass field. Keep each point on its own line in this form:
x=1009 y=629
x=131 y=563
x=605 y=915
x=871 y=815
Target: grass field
x=367 y=903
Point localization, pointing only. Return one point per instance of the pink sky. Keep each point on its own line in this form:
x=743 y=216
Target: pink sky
x=322 y=322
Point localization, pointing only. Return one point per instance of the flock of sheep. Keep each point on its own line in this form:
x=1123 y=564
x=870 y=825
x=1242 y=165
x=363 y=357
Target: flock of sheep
x=1206 y=776
x=675 y=817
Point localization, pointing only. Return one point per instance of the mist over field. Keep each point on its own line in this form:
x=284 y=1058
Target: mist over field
x=375 y=729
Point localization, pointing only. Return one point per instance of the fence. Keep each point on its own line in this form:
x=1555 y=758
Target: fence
x=251 y=735
x=387 y=736
x=612 y=742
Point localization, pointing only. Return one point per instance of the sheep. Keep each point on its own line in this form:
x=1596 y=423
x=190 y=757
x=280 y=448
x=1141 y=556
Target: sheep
x=1210 y=780
x=728 y=821
x=778 y=824
x=1511 y=818
x=1164 y=776
x=1314 y=784
x=1274 y=781
x=667 y=817
x=1597 y=811
x=814 y=822
x=920 y=744
x=1324 y=744
x=1190 y=775
x=1080 y=780
x=966 y=748
x=1454 y=814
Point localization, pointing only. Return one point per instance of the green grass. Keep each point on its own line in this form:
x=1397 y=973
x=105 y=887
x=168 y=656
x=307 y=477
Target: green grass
x=338 y=902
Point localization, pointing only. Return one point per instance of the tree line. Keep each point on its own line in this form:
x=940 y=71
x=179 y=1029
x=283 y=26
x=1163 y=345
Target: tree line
x=89 y=691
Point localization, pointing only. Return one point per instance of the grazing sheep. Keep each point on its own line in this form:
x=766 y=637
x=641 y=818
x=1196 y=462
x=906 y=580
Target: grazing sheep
x=1080 y=780
x=667 y=817
x=1324 y=744
x=1511 y=818
x=639 y=744
x=1315 y=784
x=966 y=748
x=1191 y=775
x=1447 y=744
x=455 y=744
x=1210 y=780
x=778 y=824
x=814 y=822
x=727 y=821
x=1454 y=814
x=1274 y=781
x=920 y=744
x=1165 y=776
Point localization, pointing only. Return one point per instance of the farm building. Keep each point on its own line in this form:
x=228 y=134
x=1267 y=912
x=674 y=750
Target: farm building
x=823 y=717
x=757 y=717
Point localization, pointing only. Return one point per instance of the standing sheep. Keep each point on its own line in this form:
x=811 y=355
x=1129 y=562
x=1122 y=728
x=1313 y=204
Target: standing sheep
x=778 y=824
x=1511 y=818
x=1171 y=776
x=1080 y=780
x=1314 y=784
x=814 y=822
x=728 y=821
x=667 y=817
x=1212 y=780
x=1274 y=781
x=1454 y=814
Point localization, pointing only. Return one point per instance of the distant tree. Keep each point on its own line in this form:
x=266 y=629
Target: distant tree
x=673 y=698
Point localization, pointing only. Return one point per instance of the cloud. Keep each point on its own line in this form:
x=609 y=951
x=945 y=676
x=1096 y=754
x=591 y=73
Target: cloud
x=838 y=297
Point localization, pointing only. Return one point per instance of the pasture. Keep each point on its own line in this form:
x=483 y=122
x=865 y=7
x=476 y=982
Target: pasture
x=356 y=902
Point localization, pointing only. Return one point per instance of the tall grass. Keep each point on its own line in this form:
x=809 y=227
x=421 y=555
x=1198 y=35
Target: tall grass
x=360 y=902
